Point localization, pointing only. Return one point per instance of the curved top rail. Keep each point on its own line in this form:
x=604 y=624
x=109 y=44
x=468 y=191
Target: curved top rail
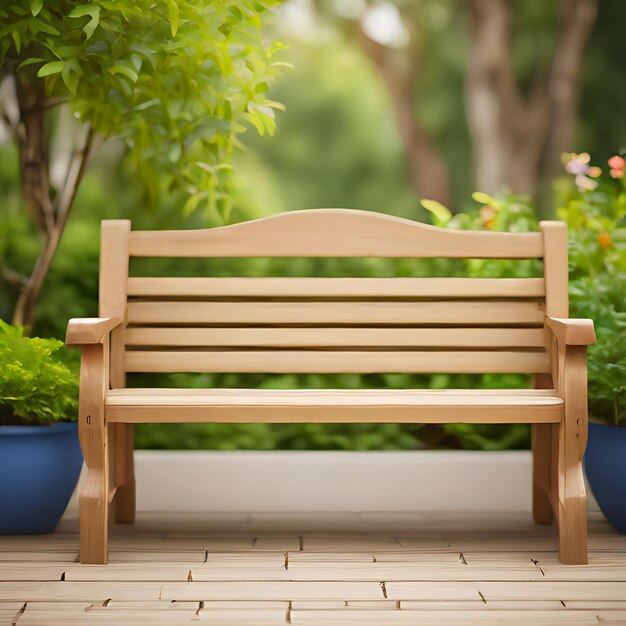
x=334 y=233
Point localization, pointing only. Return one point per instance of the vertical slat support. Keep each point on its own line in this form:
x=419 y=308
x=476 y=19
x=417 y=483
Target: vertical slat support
x=113 y=296
x=555 y=268
x=568 y=439
x=557 y=305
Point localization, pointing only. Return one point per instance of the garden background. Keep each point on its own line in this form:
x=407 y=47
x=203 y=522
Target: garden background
x=388 y=107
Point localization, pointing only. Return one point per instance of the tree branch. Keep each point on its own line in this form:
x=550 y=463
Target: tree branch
x=73 y=177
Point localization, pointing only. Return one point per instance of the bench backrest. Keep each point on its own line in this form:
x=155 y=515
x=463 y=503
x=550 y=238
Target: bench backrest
x=330 y=324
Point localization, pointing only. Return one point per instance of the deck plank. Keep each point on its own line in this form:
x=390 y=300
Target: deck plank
x=271 y=569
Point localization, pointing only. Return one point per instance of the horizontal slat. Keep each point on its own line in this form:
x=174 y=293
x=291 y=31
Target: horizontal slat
x=334 y=233
x=337 y=337
x=450 y=312
x=306 y=287
x=310 y=361
x=333 y=405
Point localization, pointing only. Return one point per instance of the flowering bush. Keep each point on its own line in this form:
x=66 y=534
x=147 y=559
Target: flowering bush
x=596 y=214
x=595 y=211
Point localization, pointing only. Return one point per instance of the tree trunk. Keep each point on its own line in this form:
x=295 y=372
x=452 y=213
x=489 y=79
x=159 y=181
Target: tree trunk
x=428 y=171
x=49 y=216
x=516 y=139
x=577 y=18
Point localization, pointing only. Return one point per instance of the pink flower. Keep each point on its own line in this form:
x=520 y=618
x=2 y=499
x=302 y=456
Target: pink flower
x=584 y=183
x=578 y=164
x=616 y=163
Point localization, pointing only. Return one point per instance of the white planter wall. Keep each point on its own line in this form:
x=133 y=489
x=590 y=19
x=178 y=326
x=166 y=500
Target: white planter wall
x=245 y=481
x=332 y=481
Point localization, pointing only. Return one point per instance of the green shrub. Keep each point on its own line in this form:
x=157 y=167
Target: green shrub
x=595 y=210
x=36 y=385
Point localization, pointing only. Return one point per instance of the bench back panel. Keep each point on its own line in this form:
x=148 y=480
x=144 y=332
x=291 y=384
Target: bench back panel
x=335 y=233
x=333 y=325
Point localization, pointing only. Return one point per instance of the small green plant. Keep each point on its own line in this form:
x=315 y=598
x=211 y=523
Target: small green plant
x=36 y=385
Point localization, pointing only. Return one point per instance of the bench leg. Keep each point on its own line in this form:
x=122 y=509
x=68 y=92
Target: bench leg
x=541 y=442
x=572 y=440
x=94 y=517
x=92 y=432
x=542 y=468
x=94 y=493
x=124 y=474
x=572 y=503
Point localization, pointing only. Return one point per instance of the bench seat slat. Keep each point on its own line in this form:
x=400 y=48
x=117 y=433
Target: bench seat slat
x=336 y=337
x=372 y=405
x=320 y=361
x=354 y=313
x=337 y=287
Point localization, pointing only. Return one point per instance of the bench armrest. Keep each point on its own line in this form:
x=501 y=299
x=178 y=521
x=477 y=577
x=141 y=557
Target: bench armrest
x=89 y=330
x=572 y=332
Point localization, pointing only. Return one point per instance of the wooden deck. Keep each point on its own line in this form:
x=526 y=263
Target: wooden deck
x=382 y=568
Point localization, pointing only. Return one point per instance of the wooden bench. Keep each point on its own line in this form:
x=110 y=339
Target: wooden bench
x=362 y=325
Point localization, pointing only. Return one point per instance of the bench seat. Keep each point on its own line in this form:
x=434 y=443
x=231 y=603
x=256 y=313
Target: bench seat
x=334 y=405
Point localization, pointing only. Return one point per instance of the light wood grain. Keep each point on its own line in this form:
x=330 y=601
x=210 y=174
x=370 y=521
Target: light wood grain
x=335 y=233
x=337 y=361
x=112 y=288
x=555 y=268
x=354 y=313
x=93 y=435
x=365 y=575
x=573 y=332
x=241 y=405
x=570 y=498
x=341 y=288
x=336 y=337
x=85 y=330
x=114 y=262
x=452 y=618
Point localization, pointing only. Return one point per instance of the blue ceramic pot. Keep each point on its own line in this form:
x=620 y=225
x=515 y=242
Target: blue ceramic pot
x=39 y=468
x=605 y=466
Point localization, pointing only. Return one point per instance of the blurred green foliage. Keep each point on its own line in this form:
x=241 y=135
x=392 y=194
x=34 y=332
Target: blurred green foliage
x=175 y=80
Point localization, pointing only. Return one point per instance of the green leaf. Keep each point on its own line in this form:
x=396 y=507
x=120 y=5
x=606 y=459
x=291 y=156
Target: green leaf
x=441 y=214
x=70 y=74
x=173 y=15
x=30 y=61
x=36 y=26
x=192 y=204
x=483 y=198
x=118 y=68
x=17 y=40
x=35 y=7
x=93 y=11
x=275 y=105
x=53 y=67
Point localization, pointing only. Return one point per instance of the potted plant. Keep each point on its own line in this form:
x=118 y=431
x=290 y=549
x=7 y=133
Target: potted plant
x=596 y=214
x=40 y=456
